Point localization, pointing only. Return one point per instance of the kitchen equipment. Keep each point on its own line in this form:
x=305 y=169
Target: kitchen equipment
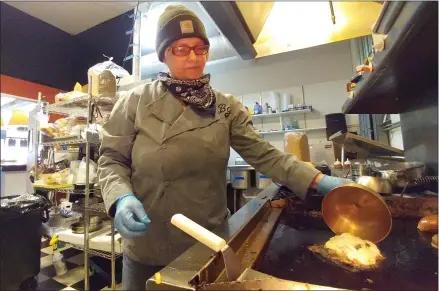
x=240 y=178
x=271 y=235
x=254 y=280
x=359 y=169
x=231 y=261
x=94 y=225
x=377 y=184
x=262 y=181
x=359 y=210
x=363 y=147
x=335 y=122
x=403 y=173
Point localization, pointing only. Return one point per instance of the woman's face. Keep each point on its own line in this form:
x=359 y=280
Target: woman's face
x=183 y=66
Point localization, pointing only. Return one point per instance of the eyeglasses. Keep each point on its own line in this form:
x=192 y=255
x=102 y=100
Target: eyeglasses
x=182 y=50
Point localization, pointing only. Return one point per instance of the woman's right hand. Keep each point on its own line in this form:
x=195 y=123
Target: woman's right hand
x=131 y=219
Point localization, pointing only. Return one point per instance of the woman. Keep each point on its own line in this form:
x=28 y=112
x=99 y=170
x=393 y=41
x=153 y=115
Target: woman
x=165 y=150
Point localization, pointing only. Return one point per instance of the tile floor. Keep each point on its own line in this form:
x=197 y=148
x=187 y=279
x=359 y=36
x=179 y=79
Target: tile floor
x=74 y=278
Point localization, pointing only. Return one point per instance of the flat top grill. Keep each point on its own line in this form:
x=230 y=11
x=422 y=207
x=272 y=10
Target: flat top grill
x=411 y=262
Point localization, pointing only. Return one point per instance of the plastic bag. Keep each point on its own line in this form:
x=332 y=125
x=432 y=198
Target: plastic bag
x=296 y=143
x=82 y=171
x=117 y=70
x=23 y=203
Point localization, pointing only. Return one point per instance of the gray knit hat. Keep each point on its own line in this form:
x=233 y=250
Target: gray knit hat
x=177 y=22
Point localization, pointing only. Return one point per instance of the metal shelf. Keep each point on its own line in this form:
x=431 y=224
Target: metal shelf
x=93 y=138
x=97 y=207
x=76 y=141
x=293 y=130
x=68 y=190
x=295 y=112
x=106 y=255
x=85 y=105
x=80 y=105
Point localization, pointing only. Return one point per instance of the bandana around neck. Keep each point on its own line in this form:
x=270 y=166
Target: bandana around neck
x=197 y=93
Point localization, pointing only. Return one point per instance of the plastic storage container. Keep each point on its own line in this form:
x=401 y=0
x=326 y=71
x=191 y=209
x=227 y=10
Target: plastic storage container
x=21 y=220
x=262 y=181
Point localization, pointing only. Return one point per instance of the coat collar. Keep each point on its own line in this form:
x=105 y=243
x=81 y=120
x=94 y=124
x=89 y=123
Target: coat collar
x=169 y=109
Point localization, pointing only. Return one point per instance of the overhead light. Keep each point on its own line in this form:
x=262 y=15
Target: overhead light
x=19 y=117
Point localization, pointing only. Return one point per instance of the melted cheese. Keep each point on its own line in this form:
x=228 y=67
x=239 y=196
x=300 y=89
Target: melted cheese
x=354 y=249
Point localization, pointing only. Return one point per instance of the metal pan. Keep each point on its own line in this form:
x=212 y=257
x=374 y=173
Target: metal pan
x=358 y=210
x=380 y=185
x=94 y=225
x=402 y=174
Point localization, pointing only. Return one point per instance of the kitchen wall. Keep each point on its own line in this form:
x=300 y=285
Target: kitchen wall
x=315 y=76
x=38 y=52
x=107 y=38
x=34 y=51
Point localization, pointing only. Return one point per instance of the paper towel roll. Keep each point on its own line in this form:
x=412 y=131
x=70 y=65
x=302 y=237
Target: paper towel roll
x=286 y=100
x=275 y=101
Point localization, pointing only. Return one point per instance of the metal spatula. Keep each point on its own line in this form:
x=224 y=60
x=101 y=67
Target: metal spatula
x=231 y=261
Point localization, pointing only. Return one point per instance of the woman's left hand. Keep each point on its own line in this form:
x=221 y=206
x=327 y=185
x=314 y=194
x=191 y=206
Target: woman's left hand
x=327 y=183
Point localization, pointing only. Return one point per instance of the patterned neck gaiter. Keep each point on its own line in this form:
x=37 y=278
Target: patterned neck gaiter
x=197 y=93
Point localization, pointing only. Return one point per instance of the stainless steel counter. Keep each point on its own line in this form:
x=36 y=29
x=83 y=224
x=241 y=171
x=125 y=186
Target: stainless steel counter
x=179 y=273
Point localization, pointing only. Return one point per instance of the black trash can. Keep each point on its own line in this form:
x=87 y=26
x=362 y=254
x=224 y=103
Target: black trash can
x=21 y=220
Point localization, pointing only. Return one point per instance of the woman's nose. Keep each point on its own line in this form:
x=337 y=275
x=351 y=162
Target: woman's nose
x=192 y=56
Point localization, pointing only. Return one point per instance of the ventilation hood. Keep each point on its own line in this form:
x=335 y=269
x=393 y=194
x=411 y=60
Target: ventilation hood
x=246 y=30
x=299 y=25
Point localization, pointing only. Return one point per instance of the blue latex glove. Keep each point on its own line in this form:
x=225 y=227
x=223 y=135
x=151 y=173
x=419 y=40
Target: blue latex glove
x=327 y=183
x=130 y=219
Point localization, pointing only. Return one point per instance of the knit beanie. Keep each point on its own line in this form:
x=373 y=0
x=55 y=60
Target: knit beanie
x=177 y=22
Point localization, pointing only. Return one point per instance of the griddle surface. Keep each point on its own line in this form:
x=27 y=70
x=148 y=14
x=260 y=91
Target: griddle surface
x=411 y=262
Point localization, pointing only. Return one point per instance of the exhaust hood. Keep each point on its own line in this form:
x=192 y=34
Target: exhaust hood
x=246 y=30
x=299 y=25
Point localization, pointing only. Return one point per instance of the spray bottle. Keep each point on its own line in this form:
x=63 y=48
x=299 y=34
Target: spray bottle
x=57 y=257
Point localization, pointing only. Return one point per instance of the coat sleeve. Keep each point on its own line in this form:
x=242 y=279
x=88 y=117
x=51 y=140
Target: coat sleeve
x=264 y=157
x=114 y=164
